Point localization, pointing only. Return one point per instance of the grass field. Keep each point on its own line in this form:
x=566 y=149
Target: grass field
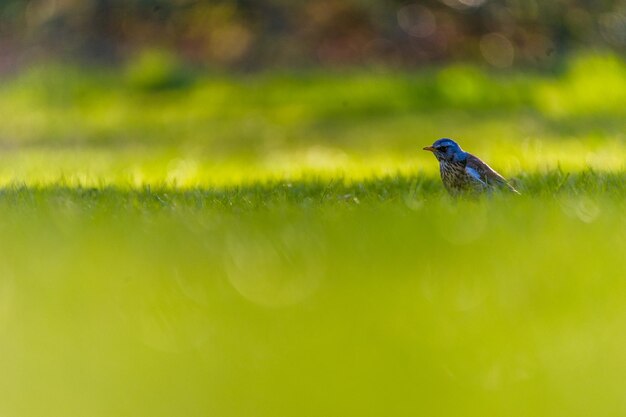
x=279 y=245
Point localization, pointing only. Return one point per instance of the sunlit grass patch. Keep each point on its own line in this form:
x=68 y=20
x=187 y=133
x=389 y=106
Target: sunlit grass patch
x=188 y=167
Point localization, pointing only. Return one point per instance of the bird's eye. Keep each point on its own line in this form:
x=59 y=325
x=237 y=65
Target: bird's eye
x=442 y=148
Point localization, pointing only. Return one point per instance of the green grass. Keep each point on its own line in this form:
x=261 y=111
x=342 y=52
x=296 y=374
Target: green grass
x=378 y=298
x=279 y=246
x=104 y=128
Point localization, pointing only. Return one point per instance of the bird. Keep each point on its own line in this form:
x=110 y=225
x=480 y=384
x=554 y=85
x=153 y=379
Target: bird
x=462 y=172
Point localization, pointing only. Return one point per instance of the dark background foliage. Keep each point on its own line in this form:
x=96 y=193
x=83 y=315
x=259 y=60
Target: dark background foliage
x=252 y=34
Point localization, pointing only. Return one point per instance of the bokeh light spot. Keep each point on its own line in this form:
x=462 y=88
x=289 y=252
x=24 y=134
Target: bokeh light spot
x=463 y=4
x=275 y=272
x=417 y=21
x=497 y=50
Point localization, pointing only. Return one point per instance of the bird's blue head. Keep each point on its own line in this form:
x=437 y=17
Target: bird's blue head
x=446 y=150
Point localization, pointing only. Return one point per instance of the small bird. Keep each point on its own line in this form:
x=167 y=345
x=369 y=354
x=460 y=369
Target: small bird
x=462 y=172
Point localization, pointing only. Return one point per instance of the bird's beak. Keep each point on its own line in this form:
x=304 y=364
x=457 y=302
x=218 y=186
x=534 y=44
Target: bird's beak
x=429 y=148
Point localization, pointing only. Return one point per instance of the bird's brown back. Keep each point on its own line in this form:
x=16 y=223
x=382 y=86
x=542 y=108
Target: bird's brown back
x=487 y=174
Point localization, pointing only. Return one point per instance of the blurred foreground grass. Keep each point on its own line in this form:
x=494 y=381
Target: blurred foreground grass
x=278 y=246
x=308 y=299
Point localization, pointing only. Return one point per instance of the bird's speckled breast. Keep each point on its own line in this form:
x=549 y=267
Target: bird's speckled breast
x=454 y=177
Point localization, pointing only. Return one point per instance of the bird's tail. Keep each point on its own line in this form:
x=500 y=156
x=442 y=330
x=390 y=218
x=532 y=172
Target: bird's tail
x=510 y=187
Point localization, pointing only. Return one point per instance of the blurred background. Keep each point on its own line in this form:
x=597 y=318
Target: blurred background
x=205 y=92
x=249 y=35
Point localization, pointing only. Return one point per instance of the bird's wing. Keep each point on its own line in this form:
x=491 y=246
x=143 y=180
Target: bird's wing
x=474 y=174
x=484 y=173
